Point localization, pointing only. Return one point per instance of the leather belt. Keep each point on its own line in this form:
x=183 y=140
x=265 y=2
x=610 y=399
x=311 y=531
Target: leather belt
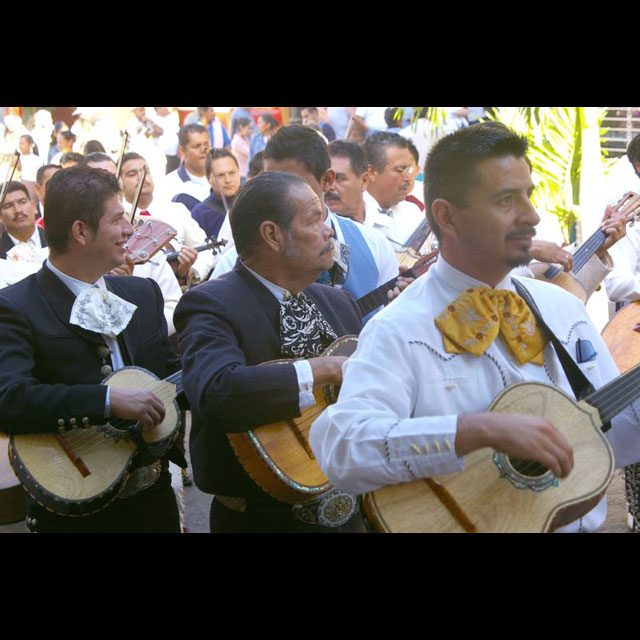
x=332 y=509
x=140 y=479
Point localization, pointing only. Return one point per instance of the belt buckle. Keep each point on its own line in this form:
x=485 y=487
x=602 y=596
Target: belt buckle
x=140 y=479
x=333 y=509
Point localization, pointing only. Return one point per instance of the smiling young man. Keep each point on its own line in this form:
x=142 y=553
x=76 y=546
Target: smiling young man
x=415 y=394
x=64 y=328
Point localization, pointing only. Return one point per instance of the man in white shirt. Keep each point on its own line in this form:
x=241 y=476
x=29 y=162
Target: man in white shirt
x=392 y=168
x=415 y=394
x=196 y=265
x=18 y=214
x=188 y=184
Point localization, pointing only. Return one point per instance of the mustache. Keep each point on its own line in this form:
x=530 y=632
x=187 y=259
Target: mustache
x=521 y=231
x=331 y=196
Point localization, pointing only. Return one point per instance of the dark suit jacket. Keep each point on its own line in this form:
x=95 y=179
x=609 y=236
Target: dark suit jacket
x=225 y=328
x=50 y=368
x=6 y=243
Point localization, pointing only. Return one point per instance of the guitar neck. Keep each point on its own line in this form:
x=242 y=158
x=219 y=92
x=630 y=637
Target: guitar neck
x=418 y=237
x=176 y=378
x=378 y=297
x=616 y=395
x=582 y=255
x=588 y=248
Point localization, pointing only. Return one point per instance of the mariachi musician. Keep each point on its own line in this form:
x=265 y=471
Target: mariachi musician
x=57 y=345
x=268 y=307
x=415 y=394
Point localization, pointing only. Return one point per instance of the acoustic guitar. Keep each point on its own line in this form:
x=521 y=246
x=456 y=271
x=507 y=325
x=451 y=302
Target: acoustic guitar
x=82 y=470
x=497 y=493
x=278 y=456
x=12 y=495
x=622 y=336
x=149 y=236
x=629 y=206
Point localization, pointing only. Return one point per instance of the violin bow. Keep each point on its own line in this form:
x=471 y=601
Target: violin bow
x=123 y=148
x=136 y=198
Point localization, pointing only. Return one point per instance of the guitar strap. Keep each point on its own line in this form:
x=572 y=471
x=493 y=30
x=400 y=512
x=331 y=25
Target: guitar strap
x=578 y=381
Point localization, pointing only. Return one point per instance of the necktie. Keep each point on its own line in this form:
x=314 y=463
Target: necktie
x=304 y=333
x=101 y=311
x=387 y=212
x=474 y=319
x=145 y=213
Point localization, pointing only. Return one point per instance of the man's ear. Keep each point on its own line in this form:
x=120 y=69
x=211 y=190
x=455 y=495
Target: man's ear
x=81 y=233
x=365 y=181
x=444 y=214
x=272 y=235
x=327 y=180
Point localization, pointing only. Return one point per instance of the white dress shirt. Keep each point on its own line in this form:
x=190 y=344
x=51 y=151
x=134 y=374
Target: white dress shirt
x=623 y=283
x=402 y=391
x=172 y=184
x=397 y=225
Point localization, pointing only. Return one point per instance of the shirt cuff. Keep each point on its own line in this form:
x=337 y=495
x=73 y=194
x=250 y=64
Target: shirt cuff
x=305 y=383
x=425 y=445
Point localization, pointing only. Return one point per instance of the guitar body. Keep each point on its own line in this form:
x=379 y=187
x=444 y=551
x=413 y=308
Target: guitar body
x=102 y=455
x=621 y=338
x=277 y=456
x=12 y=495
x=563 y=279
x=406 y=257
x=492 y=493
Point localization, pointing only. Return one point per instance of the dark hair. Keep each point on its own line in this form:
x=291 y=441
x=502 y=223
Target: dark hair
x=97 y=156
x=353 y=151
x=131 y=155
x=93 y=146
x=72 y=156
x=239 y=122
x=42 y=170
x=183 y=134
x=256 y=165
x=77 y=193
x=265 y=197
x=391 y=118
x=216 y=154
x=68 y=135
x=450 y=170
x=54 y=132
x=310 y=109
x=633 y=152
x=376 y=146
x=14 y=185
x=297 y=142
x=413 y=150
x=267 y=118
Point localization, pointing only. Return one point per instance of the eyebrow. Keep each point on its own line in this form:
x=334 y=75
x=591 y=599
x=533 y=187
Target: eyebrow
x=505 y=192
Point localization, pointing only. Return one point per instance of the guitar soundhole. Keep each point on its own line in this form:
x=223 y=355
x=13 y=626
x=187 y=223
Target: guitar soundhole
x=528 y=468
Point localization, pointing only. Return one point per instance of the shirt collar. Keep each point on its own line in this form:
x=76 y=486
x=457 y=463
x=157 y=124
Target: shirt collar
x=76 y=286
x=35 y=237
x=275 y=289
x=459 y=281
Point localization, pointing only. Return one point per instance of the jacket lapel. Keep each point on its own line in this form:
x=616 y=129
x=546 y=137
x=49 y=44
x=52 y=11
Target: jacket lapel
x=61 y=300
